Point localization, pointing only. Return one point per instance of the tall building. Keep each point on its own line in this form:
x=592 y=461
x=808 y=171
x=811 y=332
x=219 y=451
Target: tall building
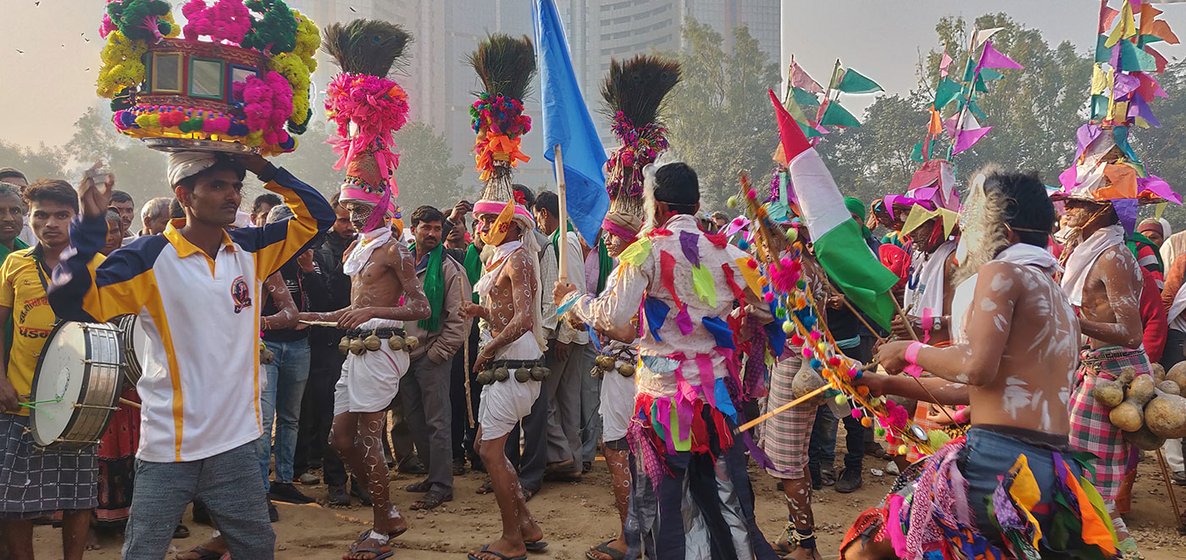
x=762 y=17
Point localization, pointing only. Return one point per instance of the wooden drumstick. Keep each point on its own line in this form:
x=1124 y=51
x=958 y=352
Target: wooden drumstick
x=330 y=324
x=127 y=402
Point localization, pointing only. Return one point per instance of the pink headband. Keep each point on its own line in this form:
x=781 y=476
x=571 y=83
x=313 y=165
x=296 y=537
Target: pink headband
x=613 y=228
x=495 y=207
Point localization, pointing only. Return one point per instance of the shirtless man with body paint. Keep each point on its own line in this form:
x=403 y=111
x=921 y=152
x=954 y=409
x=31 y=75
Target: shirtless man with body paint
x=384 y=292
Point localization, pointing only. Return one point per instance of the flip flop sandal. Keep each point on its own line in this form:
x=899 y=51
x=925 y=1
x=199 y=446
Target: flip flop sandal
x=486 y=550
x=204 y=553
x=605 y=549
x=418 y=487
x=432 y=500
x=536 y=546
x=378 y=552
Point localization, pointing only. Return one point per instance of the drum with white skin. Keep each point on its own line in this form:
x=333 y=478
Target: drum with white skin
x=76 y=386
x=135 y=341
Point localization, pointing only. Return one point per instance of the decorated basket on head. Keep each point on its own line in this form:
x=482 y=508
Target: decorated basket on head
x=235 y=78
x=505 y=65
x=367 y=108
x=1123 y=84
x=633 y=91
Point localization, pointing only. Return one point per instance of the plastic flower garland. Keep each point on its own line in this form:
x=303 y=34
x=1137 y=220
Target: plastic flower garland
x=376 y=106
x=499 y=122
x=224 y=22
x=640 y=146
x=123 y=66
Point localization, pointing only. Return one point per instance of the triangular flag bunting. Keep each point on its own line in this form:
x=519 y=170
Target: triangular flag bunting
x=969 y=138
x=835 y=115
x=983 y=35
x=855 y=82
x=944 y=63
x=804 y=97
x=946 y=92
x=801 y=80
x=992 y=58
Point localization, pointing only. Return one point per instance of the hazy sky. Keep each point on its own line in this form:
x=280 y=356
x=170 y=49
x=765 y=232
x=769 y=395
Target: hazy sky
x=47 y=86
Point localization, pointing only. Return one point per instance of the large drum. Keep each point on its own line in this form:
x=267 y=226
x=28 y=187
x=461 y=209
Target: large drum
x=76 y=386
x=134 y=341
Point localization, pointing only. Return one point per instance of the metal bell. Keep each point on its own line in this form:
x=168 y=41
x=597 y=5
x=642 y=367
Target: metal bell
x=605 y=362
x=411 y=342
x=485 y=377
x=396 y=343
x=357 y=347
x=627 y=370
x=344 y=345
x=501 y=373
x=538 y=373
x=372 y=343
x=523 y=375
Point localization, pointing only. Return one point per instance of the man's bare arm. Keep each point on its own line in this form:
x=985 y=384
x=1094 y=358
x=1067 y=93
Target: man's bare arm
x=1117 y=271
x=8 y=396
x=286 y=317
x=946 y=392
x=523 y=297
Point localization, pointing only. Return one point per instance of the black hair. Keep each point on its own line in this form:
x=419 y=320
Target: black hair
x=120 y=196
x=221 y=162
x=678 y=186
x=10 y=173
x=425 y=214
x=528 y=195
x=52 y=190
x=549 y=201
x=335 y=201
x=266 y=198
x=175 y=210
x=1028 y=209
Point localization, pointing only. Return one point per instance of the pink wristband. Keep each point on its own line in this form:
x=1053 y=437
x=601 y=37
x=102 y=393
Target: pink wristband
x=912 y=368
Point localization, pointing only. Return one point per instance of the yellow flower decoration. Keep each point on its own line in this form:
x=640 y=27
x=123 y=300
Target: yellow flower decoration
x=174 y=29
x=296 y=66
x=122 y=65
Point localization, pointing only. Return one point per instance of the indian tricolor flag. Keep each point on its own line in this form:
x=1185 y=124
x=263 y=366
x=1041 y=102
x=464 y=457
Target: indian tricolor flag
x=836 y=236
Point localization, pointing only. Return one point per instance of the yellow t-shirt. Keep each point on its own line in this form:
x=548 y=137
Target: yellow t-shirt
x=22 y=292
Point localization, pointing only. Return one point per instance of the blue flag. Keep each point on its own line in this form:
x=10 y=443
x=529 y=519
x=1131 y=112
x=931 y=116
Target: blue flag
x=567 y=123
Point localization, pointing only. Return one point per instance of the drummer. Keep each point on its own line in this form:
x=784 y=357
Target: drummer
x=194 y=288
x=36 y=482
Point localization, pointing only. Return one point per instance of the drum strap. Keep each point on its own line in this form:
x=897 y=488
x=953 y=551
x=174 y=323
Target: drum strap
x=42 y=274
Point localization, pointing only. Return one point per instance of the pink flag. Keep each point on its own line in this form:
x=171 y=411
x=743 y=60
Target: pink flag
x=801 y=80
x=944 y=63
x=992 y=58
x=969 y=138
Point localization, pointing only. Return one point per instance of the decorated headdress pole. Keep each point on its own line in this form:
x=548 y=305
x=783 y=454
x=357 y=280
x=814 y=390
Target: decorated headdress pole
x=367 y=108
x=237 y=80
x=633 y=91
x=1123 y=84
x=505 y=66
x=931 y=193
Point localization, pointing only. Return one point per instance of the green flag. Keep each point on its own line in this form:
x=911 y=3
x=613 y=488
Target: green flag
x=804 y=98
x=835 y=115
x=946 y=92
x=855 y=82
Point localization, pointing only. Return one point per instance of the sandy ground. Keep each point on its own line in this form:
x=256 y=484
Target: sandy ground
x=577 y=515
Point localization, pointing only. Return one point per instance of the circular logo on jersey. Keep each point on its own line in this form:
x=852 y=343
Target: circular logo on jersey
x=240 y=294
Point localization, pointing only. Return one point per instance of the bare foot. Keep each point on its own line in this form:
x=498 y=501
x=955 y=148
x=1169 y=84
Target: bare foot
x=92 y=540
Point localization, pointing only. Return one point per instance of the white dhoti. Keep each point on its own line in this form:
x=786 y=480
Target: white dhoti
x=617 y=404
x=504 y=403
x=371 y=380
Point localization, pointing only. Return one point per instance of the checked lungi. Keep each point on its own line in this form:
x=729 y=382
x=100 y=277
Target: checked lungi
x=786 y=436
x=1091 y=431
x=36 y=481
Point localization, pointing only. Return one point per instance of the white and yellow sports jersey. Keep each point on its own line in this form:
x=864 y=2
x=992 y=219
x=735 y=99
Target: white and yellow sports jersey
x=201 y=383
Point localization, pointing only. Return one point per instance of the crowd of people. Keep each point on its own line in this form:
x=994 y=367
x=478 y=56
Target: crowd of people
x=440 y=349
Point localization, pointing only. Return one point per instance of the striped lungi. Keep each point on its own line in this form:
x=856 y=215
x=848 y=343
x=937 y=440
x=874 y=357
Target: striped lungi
x=1091 y=431
x=786 y=436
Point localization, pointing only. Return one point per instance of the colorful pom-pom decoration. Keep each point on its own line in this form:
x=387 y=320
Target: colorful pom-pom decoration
x=236 y=73
x=788 y=327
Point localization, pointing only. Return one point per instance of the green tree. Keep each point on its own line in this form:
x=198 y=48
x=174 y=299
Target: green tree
x=874 y=159
x=719 y=117
x=425 y=175
x=43 y=162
